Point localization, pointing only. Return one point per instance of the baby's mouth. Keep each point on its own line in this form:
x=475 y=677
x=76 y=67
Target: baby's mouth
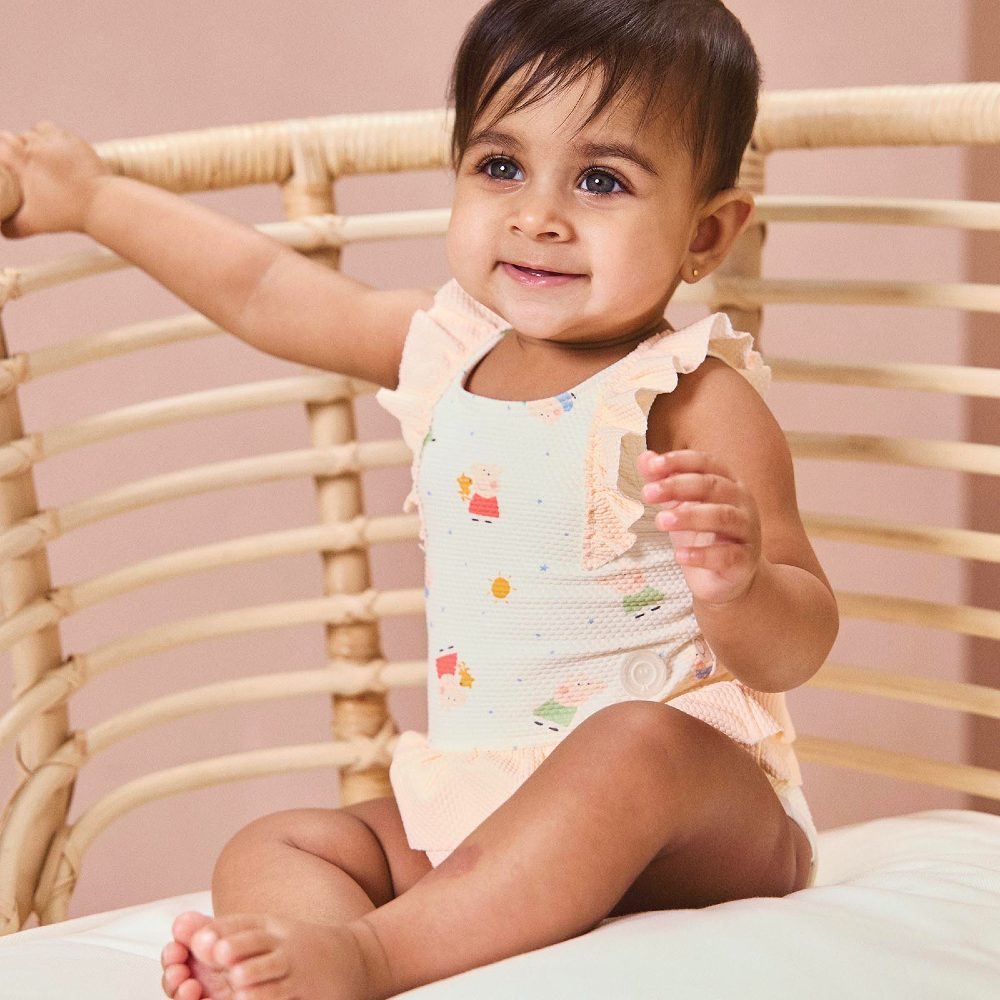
x=537 y=271
x=537 y=276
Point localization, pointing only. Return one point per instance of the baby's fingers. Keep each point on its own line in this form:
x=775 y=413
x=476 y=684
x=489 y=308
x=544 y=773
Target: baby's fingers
x=710 y=488
x=677 y=476
x=705 y=524
x=12 y=150
x=727 y=559
x=11 y=139
x=58 y=173
x=653 y=466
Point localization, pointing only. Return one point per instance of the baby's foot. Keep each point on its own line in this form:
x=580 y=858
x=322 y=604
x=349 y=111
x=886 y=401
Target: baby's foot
x=185 y=977
x=296 y=961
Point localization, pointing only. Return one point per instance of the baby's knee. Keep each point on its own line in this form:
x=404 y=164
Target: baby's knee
x=315 y=831
x=642 y=726
x=272 y=828
x=663 y=749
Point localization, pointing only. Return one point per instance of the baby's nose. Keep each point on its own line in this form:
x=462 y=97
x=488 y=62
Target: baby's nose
x=541 y=217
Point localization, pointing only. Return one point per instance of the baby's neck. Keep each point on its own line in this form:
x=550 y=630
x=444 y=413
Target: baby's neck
x=525 y=368
x=620 y=345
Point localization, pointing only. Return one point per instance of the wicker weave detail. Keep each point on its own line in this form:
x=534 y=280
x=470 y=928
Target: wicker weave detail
x=943 y=114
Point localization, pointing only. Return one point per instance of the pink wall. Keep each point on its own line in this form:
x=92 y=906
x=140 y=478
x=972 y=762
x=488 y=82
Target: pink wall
x=983 y=348
x=123 y=69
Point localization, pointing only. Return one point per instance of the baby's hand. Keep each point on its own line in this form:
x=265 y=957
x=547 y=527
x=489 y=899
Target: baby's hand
x=58 y=173
x=712 y=520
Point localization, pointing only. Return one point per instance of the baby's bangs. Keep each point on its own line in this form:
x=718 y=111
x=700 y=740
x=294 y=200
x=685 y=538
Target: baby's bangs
x=622 y=82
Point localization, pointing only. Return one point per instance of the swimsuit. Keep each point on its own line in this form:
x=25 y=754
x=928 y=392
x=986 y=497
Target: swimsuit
x=550 y=591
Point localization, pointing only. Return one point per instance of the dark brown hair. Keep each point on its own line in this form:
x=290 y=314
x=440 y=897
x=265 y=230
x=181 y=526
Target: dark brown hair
x=689 y=59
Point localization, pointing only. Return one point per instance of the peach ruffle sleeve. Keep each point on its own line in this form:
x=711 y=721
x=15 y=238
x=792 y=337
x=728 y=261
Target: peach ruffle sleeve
x=439 y=343
x=619 y=429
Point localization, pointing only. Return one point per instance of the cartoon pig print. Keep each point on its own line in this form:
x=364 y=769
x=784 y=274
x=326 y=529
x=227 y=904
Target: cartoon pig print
x=483 y=504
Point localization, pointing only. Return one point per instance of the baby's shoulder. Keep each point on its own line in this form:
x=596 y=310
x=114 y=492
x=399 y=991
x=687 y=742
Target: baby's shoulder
x=713 y=400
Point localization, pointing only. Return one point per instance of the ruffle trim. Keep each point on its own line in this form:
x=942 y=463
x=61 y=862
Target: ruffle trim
x=619 y=427
x=438 y=343
x=758 y=721
x=443 y=795
x=442 y=339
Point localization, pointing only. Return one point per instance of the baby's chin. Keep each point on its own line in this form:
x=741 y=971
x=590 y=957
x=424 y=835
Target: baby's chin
x=543 y=313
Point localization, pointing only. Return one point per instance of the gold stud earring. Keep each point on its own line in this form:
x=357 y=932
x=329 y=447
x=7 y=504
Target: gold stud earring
x=694 y=273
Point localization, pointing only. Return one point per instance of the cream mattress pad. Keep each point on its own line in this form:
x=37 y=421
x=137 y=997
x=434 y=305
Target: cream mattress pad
x=904 y=908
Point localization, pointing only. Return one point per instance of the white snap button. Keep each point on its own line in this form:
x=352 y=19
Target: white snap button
x=643 y=673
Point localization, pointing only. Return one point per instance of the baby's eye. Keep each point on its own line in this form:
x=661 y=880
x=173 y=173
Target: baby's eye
x=502 y=168
x=601 y=182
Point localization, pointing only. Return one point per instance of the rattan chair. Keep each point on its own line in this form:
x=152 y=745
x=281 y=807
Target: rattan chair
x=41 y=852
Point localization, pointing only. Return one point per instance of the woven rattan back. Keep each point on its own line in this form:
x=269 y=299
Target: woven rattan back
x=40 y=853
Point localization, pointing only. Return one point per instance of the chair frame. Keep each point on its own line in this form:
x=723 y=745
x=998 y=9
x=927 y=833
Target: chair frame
x=40 y=851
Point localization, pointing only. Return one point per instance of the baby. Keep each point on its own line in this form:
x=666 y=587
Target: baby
x=621 y=742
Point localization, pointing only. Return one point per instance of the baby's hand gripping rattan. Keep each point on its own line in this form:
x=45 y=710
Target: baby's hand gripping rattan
x=10 y=194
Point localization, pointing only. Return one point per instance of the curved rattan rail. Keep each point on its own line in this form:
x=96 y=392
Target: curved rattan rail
x=40 y=852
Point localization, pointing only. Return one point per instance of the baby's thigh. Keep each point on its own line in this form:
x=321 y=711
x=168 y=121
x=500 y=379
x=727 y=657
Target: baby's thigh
x=381 y=816
x=731 y=837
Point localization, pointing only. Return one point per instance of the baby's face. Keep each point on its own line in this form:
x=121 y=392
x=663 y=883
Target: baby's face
x=573 y=235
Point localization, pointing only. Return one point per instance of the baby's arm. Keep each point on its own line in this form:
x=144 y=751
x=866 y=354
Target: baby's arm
x=760 y=594
x=272 y=297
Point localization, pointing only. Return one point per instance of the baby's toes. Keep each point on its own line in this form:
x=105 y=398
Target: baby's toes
x=270 y=968
x=191 y=989
x=187 y=924
x=240 y=945
x=208 y=944
x=174 y=953
x=173 y=975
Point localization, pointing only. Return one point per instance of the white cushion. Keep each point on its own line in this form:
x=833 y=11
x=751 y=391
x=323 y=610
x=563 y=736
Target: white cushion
x=904 y=908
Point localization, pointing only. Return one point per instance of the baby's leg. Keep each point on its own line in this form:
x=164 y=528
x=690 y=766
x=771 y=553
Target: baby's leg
x=322 y=866
x=640 y=807
x=325 y=865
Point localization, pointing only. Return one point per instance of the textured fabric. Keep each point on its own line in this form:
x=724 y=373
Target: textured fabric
x=550 y=591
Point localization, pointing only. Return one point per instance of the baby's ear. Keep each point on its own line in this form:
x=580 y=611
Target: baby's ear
x=723 y=218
